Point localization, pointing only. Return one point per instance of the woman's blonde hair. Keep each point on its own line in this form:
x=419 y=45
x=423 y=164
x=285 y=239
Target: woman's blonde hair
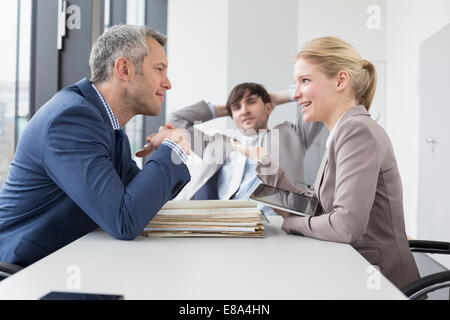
x=333 y=55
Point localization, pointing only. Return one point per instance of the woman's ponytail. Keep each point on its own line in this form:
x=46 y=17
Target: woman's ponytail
x=368 y=84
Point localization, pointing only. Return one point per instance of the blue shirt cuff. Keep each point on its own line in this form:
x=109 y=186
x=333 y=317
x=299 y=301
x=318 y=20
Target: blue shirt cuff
x=177 y=149
x=292 y=91
x=212 y=109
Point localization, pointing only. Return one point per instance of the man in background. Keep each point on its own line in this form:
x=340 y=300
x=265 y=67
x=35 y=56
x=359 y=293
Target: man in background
x=227 y=174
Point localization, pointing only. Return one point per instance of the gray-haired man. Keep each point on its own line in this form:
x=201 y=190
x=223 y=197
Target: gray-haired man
x=73 y=172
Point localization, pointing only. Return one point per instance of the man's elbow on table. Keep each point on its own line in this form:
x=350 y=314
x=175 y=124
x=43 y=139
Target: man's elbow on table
x=127 y=237
x=125 y=234
x=126 y=228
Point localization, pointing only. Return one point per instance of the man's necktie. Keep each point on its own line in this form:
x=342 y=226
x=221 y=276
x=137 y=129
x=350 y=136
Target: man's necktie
x=119 y=142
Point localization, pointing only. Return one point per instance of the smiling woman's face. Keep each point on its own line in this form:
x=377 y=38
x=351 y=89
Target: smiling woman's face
x=315 y=92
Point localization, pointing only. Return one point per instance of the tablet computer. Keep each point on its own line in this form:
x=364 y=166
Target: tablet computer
x=292 y=202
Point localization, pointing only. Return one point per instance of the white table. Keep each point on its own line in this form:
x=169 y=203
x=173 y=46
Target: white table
x=279 y=266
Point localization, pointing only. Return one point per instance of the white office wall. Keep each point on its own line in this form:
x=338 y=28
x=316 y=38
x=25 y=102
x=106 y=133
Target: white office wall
x=261 y=45
x=346 y=19
x=197 y=52
x=409 y=22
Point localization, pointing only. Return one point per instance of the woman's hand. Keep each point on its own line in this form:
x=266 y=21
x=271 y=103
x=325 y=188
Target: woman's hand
x=282 y=213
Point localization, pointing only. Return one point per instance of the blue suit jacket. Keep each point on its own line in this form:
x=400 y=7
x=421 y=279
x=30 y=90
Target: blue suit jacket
x=62 y=183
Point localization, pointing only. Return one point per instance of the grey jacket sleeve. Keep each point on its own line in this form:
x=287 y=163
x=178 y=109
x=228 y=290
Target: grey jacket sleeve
x=186 y=118
x=308 y=131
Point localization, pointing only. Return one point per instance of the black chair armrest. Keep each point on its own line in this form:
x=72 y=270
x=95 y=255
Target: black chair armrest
x=427 y=246
x=418 y=288
x=7 y=269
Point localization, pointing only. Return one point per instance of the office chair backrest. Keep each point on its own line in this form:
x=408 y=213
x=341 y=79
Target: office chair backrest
x=432 y=282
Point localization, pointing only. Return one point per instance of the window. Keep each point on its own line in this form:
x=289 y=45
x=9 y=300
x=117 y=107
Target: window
x=15 y=26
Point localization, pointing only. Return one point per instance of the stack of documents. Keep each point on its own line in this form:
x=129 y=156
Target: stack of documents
x=207 y=218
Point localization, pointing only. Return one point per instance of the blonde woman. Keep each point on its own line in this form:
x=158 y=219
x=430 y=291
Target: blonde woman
x=358 y=183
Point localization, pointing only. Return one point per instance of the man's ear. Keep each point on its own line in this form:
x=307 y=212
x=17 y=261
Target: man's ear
x=124 y=69
x=269 y=108
x=343 y=80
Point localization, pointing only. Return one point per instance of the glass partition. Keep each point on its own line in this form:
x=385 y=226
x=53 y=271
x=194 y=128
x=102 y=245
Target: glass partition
x=15 y=26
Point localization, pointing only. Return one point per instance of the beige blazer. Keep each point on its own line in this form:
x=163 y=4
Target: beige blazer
x=359 y=188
